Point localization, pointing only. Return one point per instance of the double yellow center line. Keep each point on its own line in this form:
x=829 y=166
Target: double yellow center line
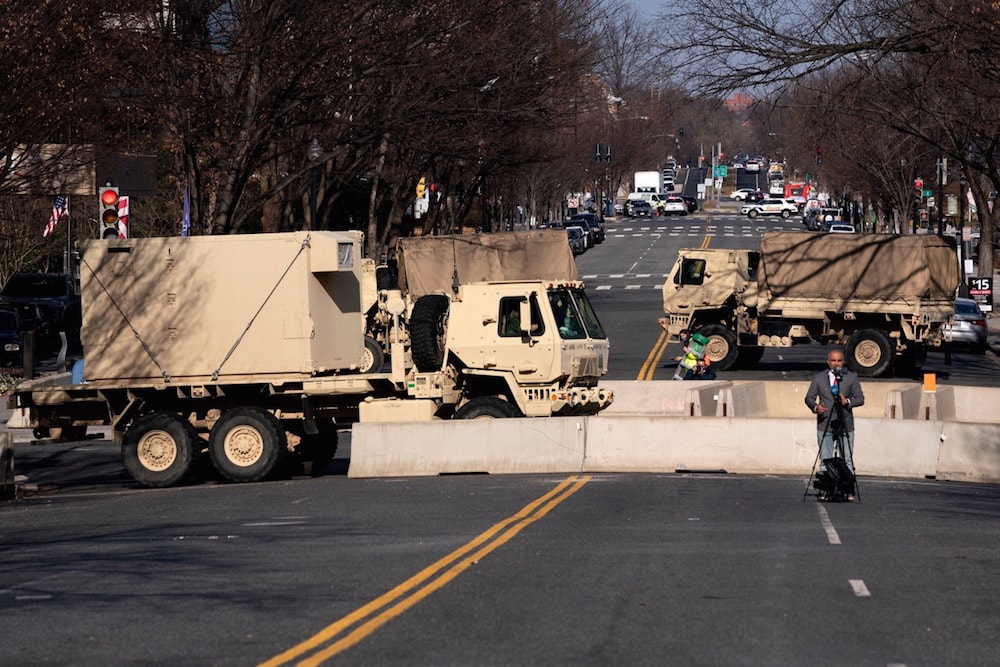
x=359 y=624
x=660 y=346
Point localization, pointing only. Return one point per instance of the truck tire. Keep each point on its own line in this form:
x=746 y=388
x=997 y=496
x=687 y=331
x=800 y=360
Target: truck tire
x=869 y=353
x=721 y=349
x=373 y=358
x=245 y=444
x=427 y=332
x=487 y=407
x=158 y=448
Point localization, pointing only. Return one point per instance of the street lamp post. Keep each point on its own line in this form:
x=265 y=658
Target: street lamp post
x=313 y=154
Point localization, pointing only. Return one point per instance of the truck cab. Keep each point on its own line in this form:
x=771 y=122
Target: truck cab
x=537 y=344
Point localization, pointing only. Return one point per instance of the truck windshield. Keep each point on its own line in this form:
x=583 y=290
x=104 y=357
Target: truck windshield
x=574 y=314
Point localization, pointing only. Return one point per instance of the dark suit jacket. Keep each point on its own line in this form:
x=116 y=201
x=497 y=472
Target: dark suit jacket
x=819 y=389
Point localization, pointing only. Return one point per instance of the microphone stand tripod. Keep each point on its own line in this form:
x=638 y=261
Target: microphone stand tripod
x=841 y=444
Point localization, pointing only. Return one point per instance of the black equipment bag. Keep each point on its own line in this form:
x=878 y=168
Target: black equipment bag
x=837 y=479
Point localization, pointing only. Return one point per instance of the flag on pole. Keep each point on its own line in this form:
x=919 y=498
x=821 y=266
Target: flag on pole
x=123 y=217
x=60 y=210
x=186 y=215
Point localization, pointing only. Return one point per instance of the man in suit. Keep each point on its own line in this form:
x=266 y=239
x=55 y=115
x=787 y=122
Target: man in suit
x=835 y=385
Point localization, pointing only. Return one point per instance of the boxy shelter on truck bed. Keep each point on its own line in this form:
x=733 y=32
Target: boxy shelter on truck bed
x=207 y=308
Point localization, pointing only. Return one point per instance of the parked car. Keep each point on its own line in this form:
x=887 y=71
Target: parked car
x=47 y=303
x=638 y=208
x=588 y=233
x=781 y=207
x=799 y=200
x=593 y=221
x=10 y=338
x=673 y=206
x=576 y=241
x=969 y=329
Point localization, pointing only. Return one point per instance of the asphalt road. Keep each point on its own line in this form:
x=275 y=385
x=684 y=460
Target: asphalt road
x=480 y=570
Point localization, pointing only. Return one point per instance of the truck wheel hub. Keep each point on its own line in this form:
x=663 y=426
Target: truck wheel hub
x=244 y=446
x=157 y=450
x=868 y=353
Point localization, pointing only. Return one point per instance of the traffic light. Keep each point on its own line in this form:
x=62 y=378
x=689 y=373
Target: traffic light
x=918 y=184
x=108 y=195
x=819 y=155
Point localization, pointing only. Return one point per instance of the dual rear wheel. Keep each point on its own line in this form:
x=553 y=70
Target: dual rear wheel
x=245 y=445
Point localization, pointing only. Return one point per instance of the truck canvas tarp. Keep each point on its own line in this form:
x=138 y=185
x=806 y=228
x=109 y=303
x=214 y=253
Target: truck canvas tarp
x=858 y=266
x=429 y=264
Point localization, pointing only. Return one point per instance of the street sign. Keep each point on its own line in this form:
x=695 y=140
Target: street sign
x=720 y=171
x=927 y=193
x=981 y=291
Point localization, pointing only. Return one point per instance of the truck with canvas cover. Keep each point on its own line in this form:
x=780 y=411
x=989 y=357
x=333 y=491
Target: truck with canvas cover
x=506 y=314
x=425 y=264
x=249 y=349
x=886 y=298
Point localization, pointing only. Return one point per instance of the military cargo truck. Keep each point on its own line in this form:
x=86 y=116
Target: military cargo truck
x=249 y=348
x=885 y=298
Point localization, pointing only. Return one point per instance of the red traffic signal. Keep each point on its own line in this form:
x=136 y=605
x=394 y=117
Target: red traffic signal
x=108 y=196
x=918 y=184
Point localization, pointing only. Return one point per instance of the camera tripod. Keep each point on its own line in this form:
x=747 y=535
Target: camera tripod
x=830 y=484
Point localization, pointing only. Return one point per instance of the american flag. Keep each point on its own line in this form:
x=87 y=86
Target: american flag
x=60 y=210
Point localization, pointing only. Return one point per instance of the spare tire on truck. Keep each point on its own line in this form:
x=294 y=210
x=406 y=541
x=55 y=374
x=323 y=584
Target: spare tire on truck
x=428 y=324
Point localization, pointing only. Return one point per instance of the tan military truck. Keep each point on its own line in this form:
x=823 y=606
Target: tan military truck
x=885 y=298
x=250 y=347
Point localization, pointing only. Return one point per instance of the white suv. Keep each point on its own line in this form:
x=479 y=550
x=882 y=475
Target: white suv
x=782 y=207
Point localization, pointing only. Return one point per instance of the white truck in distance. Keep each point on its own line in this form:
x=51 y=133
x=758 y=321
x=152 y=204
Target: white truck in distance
x=648 y=182
x=248 y=348
x=885 y=298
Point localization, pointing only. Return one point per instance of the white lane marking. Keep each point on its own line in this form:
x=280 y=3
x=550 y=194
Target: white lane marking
x=859 y=588
x=824 y=519
x=602 y=287
x=591 y=277
x=633 y=287
x=616 y=275
x=643 y=275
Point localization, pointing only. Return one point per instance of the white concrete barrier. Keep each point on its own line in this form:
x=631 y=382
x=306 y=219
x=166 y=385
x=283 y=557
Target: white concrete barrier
x=539 y=445
x=904 y=402
x=970 y=453
x=976 y=404
x=663 y=397
x=665 y=444
x=901 y=435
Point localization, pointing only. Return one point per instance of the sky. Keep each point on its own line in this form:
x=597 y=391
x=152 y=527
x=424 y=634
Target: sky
x=648 y=7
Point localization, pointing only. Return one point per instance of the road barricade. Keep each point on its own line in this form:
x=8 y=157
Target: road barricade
x=901 y=431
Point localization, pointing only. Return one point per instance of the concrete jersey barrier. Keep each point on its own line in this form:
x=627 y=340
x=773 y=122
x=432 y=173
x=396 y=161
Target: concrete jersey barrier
x=669 y=427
